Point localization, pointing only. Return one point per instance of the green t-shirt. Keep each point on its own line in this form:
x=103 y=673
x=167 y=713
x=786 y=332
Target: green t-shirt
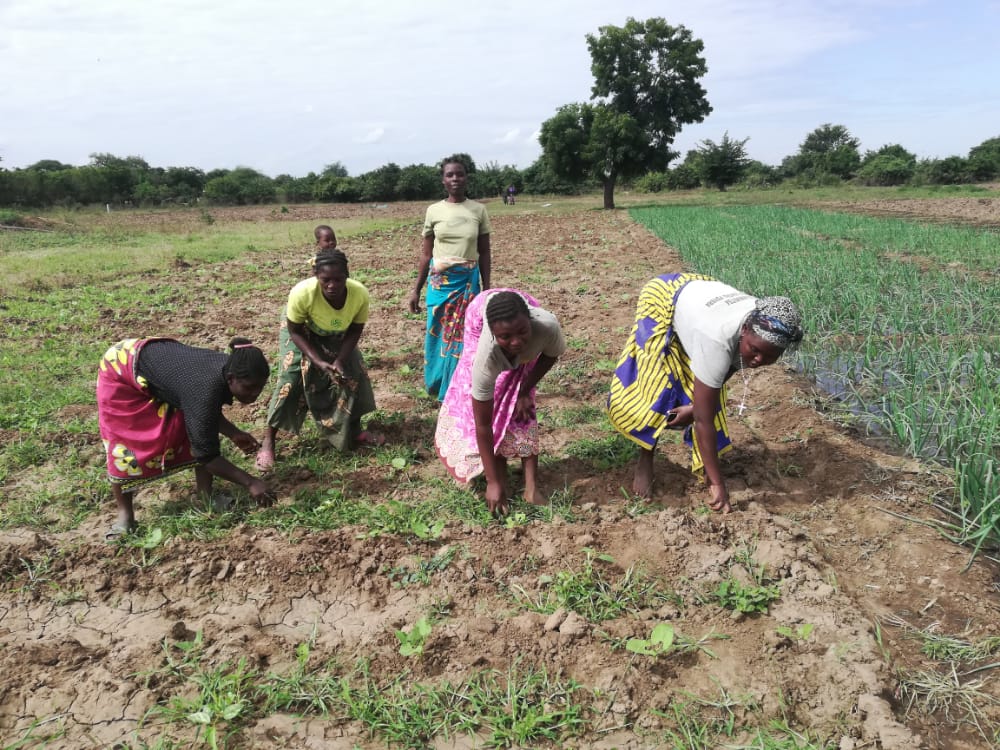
x=307 y=305
x=456 y=228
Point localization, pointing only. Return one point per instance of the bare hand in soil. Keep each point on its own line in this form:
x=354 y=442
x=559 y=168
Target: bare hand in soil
x=263 y=494
x=496 y=498
x=720 y=499
x=414 y=303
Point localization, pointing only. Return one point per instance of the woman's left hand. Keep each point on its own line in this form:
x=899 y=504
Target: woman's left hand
x=335 y=370
x=246 y=442
x=683 y=416
x=524 y=408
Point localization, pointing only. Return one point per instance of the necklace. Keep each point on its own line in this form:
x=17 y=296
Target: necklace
x=745 y=375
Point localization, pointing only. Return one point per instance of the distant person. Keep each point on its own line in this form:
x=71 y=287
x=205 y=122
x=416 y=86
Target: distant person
x=454 y=255
x=159 y=408
x=510 y=194
x=321 y=370
x=691 y=335
x=488 y=415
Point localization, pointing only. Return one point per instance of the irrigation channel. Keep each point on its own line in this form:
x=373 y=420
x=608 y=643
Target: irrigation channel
x=902 y=319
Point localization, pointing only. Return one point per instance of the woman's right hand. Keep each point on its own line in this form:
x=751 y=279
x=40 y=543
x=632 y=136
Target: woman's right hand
x=414 y=302
x=720 y=499
x=496 y=498
x=260 y=492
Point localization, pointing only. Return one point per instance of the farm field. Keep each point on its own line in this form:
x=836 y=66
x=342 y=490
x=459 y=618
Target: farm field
x=379 y=605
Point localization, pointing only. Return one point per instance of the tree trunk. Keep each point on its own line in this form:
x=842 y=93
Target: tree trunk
x=609 y=191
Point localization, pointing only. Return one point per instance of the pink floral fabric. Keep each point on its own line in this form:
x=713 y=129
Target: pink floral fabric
x=455 y=436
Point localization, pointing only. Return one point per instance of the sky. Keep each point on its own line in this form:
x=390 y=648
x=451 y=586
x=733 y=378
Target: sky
x=290 y=86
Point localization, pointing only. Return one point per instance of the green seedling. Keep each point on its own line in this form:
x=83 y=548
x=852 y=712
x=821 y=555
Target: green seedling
x=412 y=643
x=152 y=539
x=398 y=463
x=799 y=633
x=660 y=641
x=515 y=519
x=424 y=530
x=732 y=594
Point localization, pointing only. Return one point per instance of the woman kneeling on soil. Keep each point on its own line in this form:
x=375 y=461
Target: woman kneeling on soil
x=692 y=334
x=322 y=371
x=488 y=414
x=159 y=407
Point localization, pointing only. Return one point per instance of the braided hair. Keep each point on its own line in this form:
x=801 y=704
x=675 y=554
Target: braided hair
x=330 y=257
x=246 y=361
x=505 y=306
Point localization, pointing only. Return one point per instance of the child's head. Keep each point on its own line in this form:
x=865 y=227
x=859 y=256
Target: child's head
x=325 y=237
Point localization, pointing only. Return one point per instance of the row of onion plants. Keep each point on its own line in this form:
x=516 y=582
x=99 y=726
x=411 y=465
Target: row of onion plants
x=903 y=324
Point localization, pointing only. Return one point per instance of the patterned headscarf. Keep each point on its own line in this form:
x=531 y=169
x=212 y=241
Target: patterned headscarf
x=777 y=321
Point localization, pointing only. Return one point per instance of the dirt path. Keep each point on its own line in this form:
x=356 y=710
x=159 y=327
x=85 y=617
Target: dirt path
x=814 y=505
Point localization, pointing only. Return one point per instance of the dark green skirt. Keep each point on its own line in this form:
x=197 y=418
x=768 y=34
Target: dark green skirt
x=302 y=388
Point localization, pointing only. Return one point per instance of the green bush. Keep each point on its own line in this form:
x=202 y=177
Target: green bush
x=651 y=182
x=886 y=170
x=953 y=170
x=10 y=218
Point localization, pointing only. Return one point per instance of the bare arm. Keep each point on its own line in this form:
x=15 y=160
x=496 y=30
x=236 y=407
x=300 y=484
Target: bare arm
x=542 y=366
x=349 y=344
x=706 y=404
x=485 y=259
x=300 y=337
x=496 y=490
x=423 y=265
x=221 y=467
x=243 y=440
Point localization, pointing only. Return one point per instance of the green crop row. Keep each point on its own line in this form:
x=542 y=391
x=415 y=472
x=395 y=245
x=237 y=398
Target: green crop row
x=902 y=326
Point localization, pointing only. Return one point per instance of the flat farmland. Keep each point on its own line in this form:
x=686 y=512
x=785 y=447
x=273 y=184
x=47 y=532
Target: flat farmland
x=378 y=604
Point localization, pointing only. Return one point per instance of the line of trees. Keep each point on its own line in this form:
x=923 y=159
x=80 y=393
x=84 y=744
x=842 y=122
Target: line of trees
x=828 y=155
x=130 y=180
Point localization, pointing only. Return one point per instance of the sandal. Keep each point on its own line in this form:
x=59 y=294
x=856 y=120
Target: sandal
x=370 y=439
x=265 y=460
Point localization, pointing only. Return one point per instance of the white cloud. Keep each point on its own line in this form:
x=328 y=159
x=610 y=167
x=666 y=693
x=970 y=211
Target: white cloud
x=509 y=137
x=372 y=136
x=223 y=83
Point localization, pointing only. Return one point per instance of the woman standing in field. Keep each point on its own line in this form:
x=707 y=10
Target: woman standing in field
x=488 y=415
x=454 y=255
x=691 y=335
x=159 y=407
x=322 y=370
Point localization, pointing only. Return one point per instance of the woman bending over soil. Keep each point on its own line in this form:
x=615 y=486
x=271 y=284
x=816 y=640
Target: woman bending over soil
x=159 y=407
x=691 y=335
x=488 y=414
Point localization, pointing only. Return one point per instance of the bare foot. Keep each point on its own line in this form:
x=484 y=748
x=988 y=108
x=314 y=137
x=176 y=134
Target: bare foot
x=533 y=497
x=642 y=483
x=265 y=459
x=370 y=439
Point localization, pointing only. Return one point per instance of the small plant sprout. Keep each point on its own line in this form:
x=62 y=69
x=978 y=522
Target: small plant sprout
x=798 y=633
x=660 y=641
x=732 y=594
x=665 y=640
x=412 y=643
x=515 y=519
x=424 y=530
